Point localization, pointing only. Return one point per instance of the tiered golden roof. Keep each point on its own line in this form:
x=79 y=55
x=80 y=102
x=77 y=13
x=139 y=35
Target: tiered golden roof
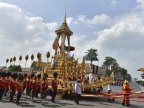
x=64 y=28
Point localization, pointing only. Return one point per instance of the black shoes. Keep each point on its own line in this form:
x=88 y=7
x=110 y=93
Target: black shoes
x=76 y=102
x=52 y=100
x=128 y=105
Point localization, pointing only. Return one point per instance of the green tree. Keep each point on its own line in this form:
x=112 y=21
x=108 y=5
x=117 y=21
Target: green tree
x=26 y=58
x=7 y=60
x=14 y=68
x=91 y=55
x=129 y=78
x=14 y=59
x=48 y=55
x=123 y=72
x=20 y=59
x=111 y=65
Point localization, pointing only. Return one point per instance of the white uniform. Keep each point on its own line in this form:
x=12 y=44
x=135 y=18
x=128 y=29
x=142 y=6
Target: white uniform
x=53 y=64
x=90 y=77
x=68 y=54
x=78 y=88
x=109 y=87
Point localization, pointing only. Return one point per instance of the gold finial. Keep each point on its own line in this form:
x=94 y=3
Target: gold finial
x=65 y=18
x=65 y=11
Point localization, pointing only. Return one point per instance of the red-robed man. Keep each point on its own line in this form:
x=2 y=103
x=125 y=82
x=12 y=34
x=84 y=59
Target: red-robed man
x=13 y=86
x=19 y=88
x=3 y=84
x=54 y=86
x=43 y=88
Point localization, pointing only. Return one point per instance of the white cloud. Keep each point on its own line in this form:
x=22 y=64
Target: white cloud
x=69 y=20
x=22 y=33
x=101 y=19
x=140 y=1
x=121 y=39
x=140 y=6
x=97 y=19
x=52 y=26
x=124 y=41
x=114 y=2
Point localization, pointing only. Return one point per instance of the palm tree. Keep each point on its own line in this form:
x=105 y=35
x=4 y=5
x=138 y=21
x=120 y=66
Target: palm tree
x=123 y=72
x=32 y=58
x=48 y=55
x=14 y=59
x=91 y=55
x=111 y=65
x=26 y=58
x=11 y=60
x=7 y=60
x=129 y=78
x=20 y=59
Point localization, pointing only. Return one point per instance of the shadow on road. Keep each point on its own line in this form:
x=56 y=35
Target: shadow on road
x=25 y=104
x=86 y=105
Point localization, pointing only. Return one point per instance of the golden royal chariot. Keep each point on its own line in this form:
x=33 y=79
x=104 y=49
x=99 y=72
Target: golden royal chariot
x=68 y=69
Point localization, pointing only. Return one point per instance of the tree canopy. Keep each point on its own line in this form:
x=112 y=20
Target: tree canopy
x=91 y=55
x=15 y=68
x=112 y=66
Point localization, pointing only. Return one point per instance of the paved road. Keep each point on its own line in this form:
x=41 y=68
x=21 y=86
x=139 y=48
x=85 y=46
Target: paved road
x=69 y=103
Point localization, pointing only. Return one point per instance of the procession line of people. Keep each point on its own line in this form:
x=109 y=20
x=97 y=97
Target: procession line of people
x=12 y=84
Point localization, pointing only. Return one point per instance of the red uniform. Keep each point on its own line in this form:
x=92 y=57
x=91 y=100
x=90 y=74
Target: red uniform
x=0 y=82
x=54 y=89
x=43 y=87
x=33 y=85
x=20 y=90
x=13 y=87
x=38 y=85
x=26 y=84
x=54 y=85
x=33 y=88
x=20 y=86
x=9 y=80
x=3 y=84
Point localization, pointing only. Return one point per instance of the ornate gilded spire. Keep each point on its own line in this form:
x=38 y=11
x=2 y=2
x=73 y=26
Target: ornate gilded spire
x=65 y=19
x=64 y=28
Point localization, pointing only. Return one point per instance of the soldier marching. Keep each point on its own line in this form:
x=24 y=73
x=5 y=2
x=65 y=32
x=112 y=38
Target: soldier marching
x=18 y=85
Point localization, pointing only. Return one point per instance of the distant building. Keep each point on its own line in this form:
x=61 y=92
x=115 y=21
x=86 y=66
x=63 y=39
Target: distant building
x=98 y=71
x=3 y=68
x=26 y=70
x=34 y=66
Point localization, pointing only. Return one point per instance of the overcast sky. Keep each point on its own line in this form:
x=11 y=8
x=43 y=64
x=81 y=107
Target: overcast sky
x=114 y=27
